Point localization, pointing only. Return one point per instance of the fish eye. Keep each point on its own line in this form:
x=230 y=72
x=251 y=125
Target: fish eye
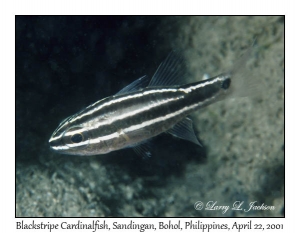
x=76 y=138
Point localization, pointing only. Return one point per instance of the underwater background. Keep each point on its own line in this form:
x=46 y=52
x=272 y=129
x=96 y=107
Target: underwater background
x=65 y=63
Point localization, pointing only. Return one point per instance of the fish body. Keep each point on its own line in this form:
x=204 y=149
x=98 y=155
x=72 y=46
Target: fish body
x=140 y=111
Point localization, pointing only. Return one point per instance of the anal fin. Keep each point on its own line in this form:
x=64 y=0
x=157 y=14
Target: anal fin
x=184 y=130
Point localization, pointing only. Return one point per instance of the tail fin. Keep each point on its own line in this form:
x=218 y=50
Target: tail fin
x=243 y=81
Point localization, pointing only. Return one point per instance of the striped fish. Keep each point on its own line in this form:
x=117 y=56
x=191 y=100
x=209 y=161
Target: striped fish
x=144 y=109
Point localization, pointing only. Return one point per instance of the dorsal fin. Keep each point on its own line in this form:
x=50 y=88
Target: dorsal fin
x=170 y=72
x=134 y=86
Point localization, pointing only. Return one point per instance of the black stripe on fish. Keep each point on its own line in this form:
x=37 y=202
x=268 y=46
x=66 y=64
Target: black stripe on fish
x=141 y=111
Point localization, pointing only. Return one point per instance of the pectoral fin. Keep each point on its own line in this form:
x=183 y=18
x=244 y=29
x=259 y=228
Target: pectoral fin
x=143 y=149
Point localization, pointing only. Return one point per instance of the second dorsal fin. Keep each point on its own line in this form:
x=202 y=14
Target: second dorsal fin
x=170 y=72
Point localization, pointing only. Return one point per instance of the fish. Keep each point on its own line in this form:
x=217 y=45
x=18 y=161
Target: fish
x=147 y=108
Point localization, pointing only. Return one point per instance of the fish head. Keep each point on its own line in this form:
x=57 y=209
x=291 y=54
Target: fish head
x=75 y=139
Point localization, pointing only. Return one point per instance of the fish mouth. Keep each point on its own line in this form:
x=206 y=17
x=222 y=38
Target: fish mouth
x=52 y=144
x=55 y=144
